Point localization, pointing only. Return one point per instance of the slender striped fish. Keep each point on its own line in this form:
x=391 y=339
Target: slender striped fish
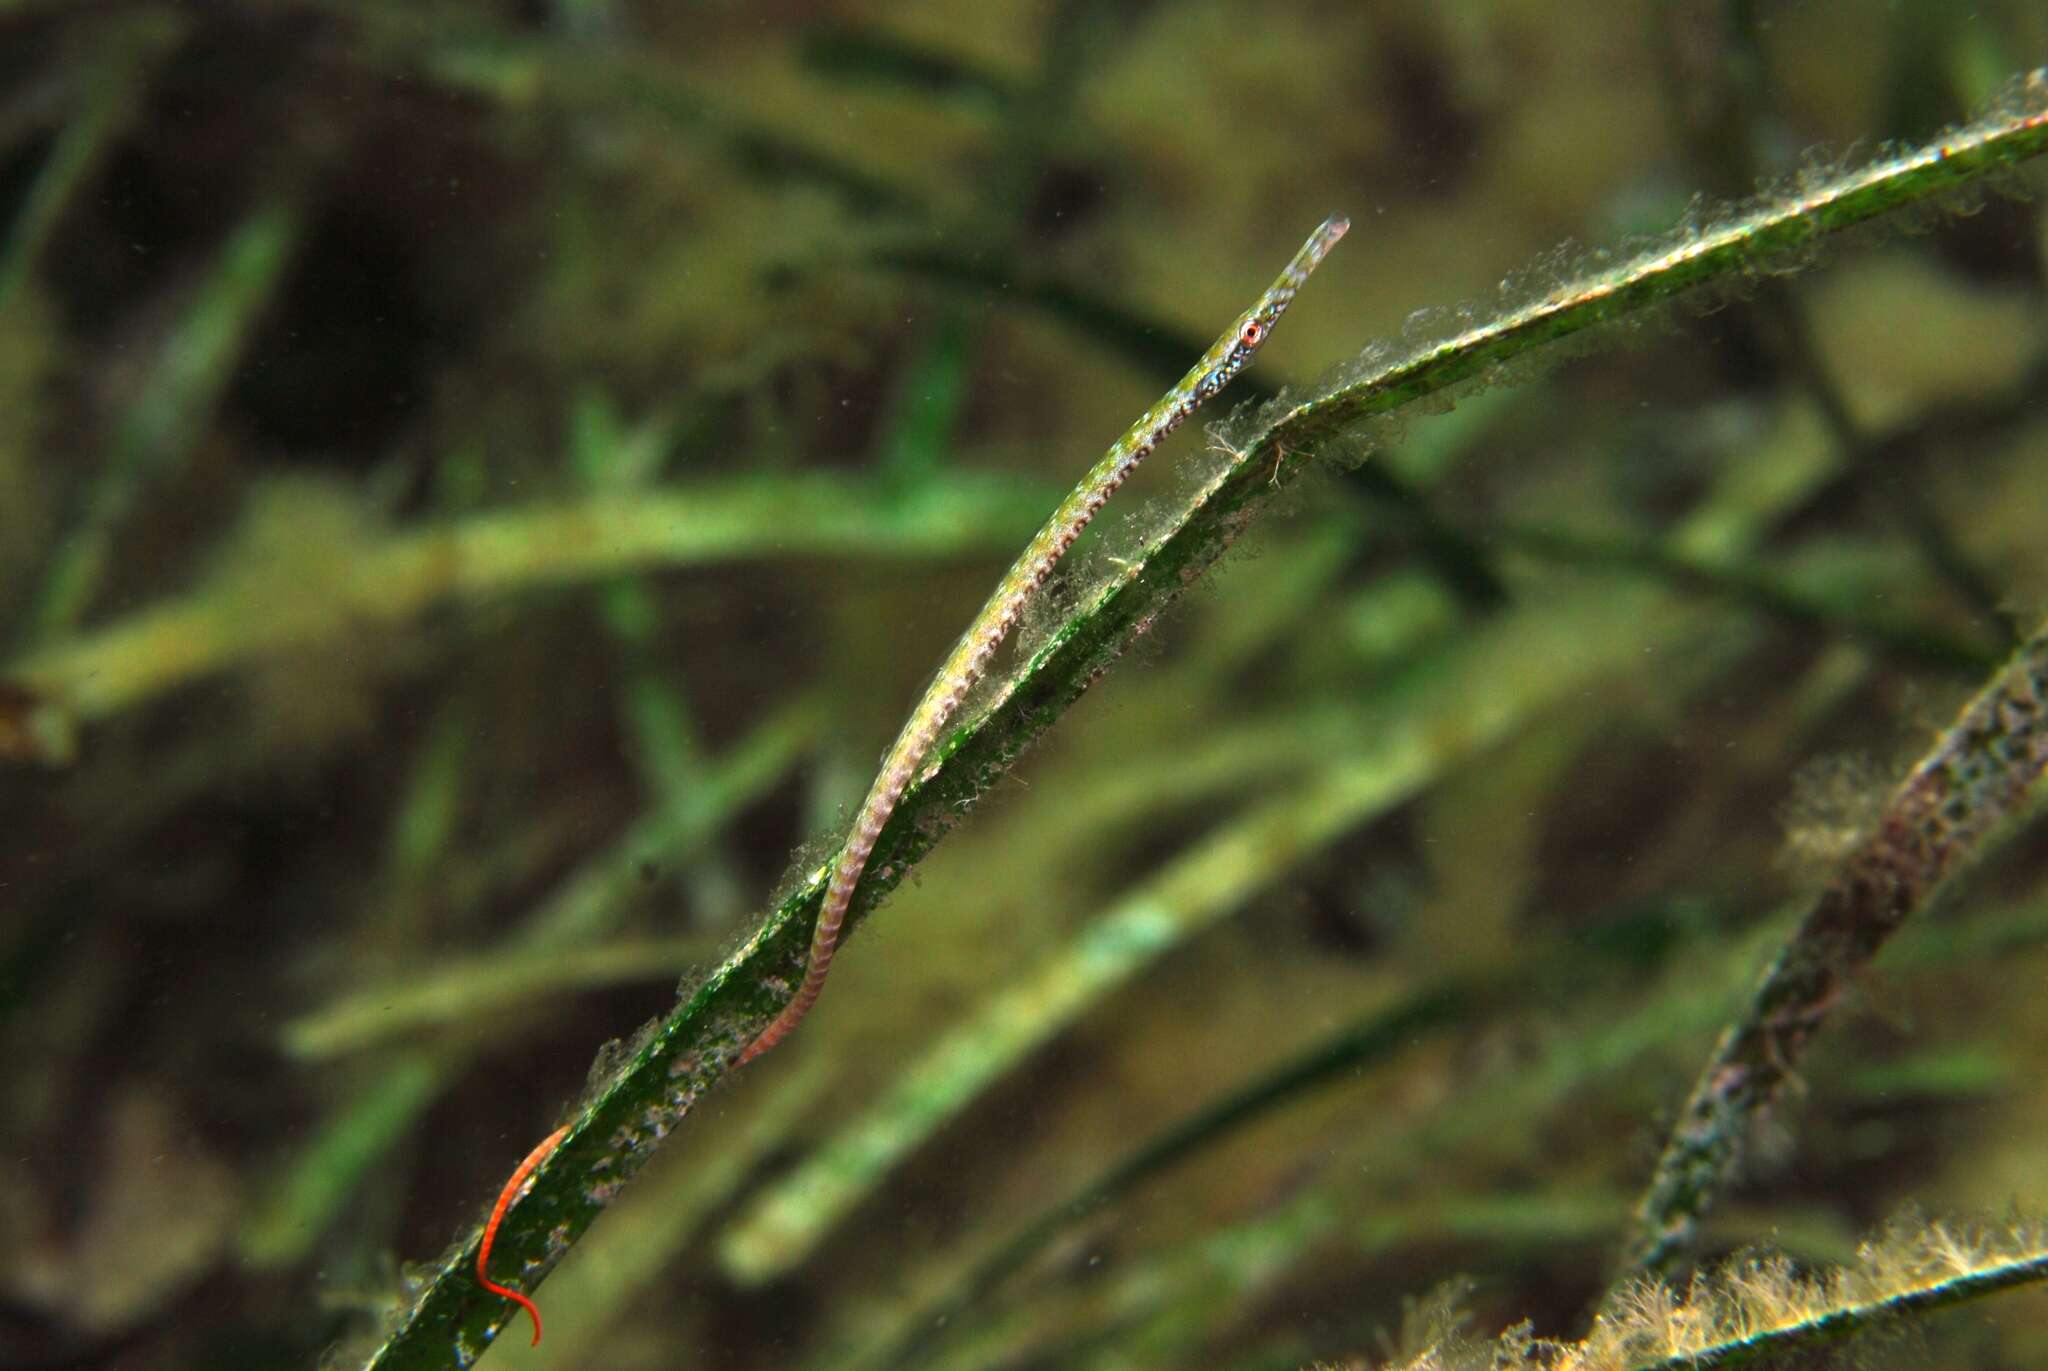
x=970 y=658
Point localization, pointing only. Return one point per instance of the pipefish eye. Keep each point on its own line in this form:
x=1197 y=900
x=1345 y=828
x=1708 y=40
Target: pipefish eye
x=1251 y=333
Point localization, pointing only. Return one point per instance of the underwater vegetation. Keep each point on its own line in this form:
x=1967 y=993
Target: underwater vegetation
x=1511 y=842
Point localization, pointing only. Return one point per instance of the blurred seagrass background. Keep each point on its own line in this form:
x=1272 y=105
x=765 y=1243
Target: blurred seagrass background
x=480 y=484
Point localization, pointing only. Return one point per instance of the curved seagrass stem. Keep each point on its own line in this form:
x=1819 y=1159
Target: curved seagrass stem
x=636 y=1104
x=1977 y=774
x=1764 y=1309
x=231 y=620
x=1850 y=1319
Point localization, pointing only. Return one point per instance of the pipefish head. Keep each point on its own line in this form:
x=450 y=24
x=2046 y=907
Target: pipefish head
x=1233 y=352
